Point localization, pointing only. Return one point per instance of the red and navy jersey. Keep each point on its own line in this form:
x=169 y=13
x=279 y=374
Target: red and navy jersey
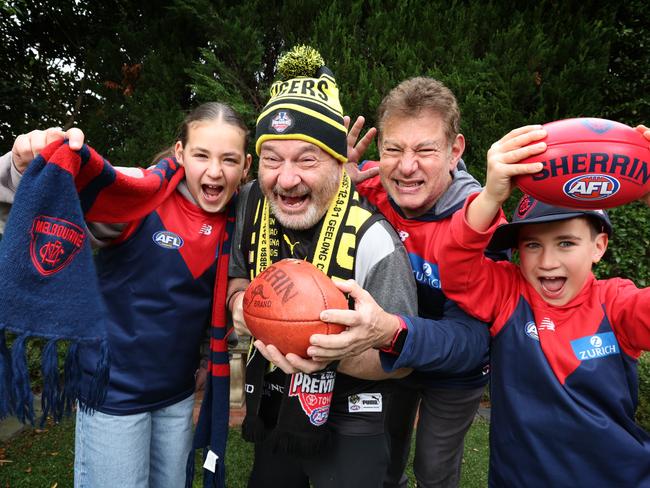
x=158 y=282
x=421 y=237
x=564 y=379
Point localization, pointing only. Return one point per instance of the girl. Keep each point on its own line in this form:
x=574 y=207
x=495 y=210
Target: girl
x=157 y=278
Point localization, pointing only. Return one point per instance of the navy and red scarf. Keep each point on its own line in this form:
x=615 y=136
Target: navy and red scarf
x=49 y=288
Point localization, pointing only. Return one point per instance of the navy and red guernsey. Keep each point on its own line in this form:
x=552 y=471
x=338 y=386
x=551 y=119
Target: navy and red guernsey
x=457 y=359
x=564 y=379
x=157 y=280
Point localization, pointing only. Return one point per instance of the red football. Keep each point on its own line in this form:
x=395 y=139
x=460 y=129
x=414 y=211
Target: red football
x=282 y=305
x=590 y=163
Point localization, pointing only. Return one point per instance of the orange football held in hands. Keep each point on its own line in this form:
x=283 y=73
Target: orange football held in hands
x=282 y=305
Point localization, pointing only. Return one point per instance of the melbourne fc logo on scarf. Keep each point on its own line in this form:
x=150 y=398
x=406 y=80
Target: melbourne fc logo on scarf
x=54 y=243
x=315 y=394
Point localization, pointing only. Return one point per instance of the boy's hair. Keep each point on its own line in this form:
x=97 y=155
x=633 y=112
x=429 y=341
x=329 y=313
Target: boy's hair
x=416 y=95
x=202 y=113
x=595 y=226
x=531 y=211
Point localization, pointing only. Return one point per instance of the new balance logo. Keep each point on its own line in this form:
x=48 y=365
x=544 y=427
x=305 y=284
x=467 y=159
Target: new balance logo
x=206 y=230
x=547 y=324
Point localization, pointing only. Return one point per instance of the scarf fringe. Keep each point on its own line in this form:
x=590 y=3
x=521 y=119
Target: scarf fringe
x=57 y=399
x=6 y=391
x=23 y=396
x=51 y=399
x=99 y=383
x=72 y=378
x=253 y=429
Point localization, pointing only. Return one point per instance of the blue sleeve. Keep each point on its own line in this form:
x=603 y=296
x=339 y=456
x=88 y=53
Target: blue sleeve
x=457 y=343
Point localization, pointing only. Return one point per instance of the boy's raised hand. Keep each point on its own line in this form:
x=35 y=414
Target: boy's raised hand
x=501 y=168
x=27 y=146
x=503 y=156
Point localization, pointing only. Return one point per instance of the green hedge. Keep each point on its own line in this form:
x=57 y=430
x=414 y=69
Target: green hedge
x=508 y=63
x=643 y=410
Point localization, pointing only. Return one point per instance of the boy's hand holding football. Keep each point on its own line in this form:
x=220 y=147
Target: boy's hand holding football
x=518 y=144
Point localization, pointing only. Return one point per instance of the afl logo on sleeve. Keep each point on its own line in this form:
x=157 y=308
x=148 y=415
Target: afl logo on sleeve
x=168 y=240
x=595 y=346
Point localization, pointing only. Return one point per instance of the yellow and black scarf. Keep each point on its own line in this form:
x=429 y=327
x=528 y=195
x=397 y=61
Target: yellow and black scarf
x=295 y=422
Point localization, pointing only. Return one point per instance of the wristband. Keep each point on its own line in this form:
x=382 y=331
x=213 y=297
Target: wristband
x=397 y=343
x=230 y=298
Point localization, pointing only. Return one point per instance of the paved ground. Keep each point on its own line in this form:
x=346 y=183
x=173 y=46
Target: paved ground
x=483 y=413
x=11 y=426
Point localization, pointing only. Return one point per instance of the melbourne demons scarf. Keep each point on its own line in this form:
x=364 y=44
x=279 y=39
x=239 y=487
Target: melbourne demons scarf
x=49 y=287
x=298 y=427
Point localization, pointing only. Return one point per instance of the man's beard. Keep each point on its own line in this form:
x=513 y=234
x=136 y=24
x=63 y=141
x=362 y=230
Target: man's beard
x=320 y=202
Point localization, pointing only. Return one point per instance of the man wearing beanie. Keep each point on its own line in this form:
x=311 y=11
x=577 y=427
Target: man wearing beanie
x=302 y=199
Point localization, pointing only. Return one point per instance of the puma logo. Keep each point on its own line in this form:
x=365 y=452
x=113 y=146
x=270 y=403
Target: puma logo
x=291 y=245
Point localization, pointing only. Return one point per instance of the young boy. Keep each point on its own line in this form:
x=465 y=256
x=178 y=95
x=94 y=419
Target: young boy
x=564 y=345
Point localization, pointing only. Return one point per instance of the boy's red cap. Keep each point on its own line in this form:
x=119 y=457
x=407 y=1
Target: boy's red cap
x=531 y=211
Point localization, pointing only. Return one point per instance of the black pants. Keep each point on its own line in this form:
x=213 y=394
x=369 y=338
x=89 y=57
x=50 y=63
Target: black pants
x=445 y=417
x=351 y=462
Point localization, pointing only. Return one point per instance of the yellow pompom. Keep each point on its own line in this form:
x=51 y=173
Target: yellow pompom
x=301 y=61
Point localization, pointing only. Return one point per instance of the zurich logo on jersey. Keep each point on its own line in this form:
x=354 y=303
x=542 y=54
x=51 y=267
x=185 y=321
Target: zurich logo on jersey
x=425 y=273
x=595 y=346
x=168 y=240
x=531 y=330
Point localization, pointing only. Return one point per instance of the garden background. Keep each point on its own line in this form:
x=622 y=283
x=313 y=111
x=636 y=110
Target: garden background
x=126 y=72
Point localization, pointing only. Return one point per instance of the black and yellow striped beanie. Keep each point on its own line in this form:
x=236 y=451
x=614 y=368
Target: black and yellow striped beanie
x=304 y=105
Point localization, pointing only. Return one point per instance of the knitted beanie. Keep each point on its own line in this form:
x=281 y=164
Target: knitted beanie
x=304 y=105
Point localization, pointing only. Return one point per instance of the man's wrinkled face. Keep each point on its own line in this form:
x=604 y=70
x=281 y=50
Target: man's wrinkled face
x=299 y=180
x=416 y=160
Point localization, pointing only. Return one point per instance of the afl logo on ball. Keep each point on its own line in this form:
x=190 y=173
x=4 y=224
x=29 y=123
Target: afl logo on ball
x=168 y=240
x=591 y=187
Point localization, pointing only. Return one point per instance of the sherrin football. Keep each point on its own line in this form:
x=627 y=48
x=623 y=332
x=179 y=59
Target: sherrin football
x=590 y=163
x=282 y=305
